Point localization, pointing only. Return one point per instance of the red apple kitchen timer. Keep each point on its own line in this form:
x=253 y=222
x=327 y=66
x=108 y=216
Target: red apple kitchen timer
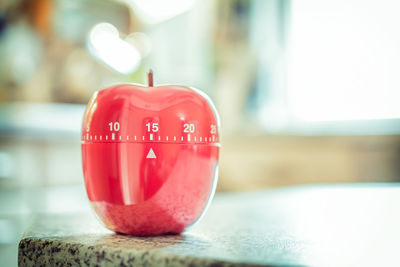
x=150 y=156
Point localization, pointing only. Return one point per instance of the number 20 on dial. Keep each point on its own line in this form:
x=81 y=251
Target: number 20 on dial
x=188 y=128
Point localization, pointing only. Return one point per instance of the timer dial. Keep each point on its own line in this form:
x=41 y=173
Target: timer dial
x=150 y=156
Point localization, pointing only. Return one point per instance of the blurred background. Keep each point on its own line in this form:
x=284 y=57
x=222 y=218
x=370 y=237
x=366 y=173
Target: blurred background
x=308 y=91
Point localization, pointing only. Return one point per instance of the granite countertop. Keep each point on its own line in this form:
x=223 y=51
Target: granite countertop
x=337 y=225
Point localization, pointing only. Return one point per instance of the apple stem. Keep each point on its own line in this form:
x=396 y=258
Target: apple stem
x=150 y=78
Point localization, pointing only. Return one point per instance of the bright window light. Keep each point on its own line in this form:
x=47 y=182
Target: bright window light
x=155 y=11
x=344 y=60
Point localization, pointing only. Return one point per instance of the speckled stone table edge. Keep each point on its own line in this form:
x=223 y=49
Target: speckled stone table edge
x=39 y=252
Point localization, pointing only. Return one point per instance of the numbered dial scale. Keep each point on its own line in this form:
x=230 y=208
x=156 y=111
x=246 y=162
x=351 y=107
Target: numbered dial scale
x=150 y=156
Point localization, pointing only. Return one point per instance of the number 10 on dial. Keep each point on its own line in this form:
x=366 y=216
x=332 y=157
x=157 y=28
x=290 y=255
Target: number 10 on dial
x=114 y=126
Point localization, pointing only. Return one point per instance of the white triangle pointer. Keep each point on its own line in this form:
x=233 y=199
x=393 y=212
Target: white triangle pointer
x=151 y=154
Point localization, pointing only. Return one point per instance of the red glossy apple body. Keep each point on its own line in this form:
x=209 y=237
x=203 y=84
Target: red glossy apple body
x=150 y=157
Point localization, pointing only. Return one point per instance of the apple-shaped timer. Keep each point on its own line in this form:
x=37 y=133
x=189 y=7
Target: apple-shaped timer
x=150 y=156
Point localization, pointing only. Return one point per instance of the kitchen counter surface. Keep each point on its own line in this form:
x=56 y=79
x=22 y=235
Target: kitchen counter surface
x=336 y=225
